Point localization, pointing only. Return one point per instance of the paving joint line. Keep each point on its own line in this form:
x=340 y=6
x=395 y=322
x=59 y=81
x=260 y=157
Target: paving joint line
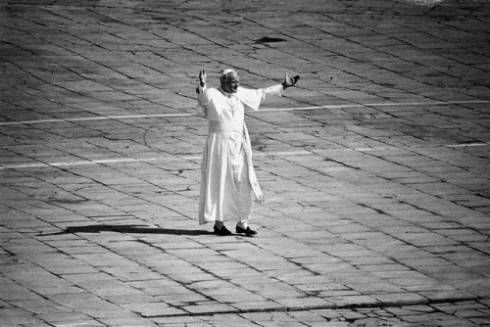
x=186 y=114
x=109 y=161
x=333 y=306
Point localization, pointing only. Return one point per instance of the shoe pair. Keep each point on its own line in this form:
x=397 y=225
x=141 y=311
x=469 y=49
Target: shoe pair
x=223 y=231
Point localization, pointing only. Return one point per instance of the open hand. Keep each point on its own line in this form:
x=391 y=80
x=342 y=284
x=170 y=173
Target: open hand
x=290 y=81
x=202 y=77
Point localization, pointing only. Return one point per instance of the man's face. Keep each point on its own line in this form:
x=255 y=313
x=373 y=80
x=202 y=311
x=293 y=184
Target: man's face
x=230 y=82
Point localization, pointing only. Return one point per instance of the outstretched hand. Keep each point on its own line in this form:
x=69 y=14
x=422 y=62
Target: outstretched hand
x=290 y=80
x=202 y=77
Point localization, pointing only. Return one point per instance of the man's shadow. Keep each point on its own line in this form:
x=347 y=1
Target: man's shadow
x=128 y=229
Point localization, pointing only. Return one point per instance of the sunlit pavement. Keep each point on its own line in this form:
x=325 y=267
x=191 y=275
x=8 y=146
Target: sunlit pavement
x=375 y=168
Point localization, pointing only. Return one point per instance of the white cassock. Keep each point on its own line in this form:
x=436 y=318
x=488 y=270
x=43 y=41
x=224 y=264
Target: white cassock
x=228 y=178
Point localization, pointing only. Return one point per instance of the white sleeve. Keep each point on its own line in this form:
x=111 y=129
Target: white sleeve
x=273 y=90
x=203 y=100
x=203 y=97
x=252 y=98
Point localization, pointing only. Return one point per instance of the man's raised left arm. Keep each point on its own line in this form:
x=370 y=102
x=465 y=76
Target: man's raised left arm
x=279 y=88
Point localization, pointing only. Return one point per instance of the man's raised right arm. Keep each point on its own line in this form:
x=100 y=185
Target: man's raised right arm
x=203 y=98
x=202 y=95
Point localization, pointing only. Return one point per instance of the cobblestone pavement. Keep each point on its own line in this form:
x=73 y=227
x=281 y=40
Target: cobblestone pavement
x=375 y=168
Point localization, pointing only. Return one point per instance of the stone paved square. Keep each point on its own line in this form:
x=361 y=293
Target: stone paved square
x=375 y=168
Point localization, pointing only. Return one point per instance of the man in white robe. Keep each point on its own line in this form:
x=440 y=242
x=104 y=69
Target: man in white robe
x=228 y=179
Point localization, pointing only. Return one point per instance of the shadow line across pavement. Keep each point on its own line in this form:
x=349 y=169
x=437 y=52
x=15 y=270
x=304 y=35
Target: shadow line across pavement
x=130 y=229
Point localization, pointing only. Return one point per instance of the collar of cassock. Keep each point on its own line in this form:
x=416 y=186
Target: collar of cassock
x=229 y=95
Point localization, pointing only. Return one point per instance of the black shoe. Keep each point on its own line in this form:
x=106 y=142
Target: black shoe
x=223 y=231
x=247 y=231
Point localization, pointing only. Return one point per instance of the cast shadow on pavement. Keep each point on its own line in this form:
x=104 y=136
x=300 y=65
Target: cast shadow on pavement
x=128 y=229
